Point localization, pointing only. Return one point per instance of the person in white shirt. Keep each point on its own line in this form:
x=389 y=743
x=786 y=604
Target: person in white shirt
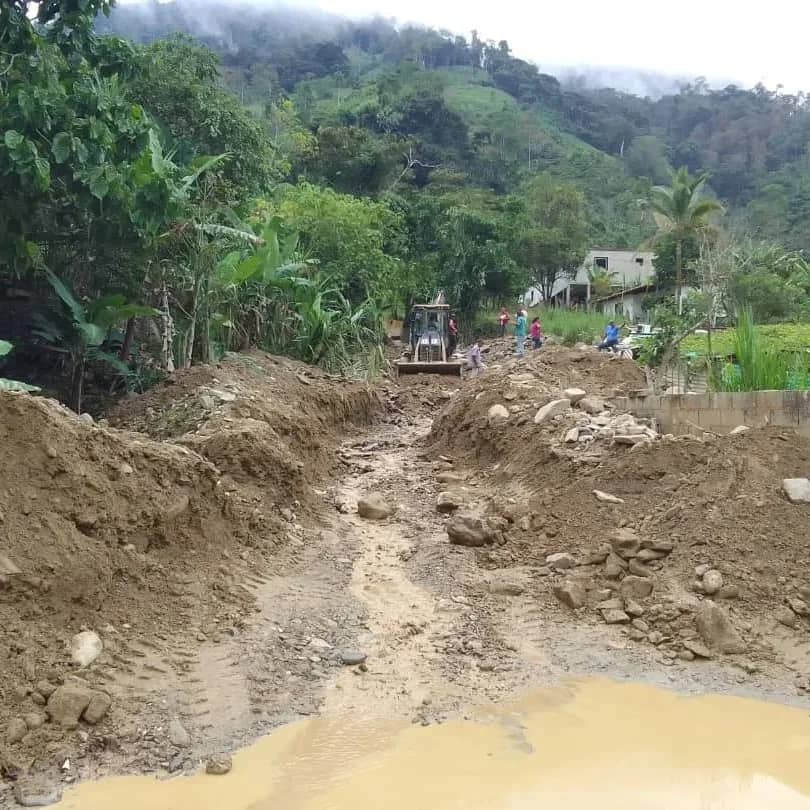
x=476 y=362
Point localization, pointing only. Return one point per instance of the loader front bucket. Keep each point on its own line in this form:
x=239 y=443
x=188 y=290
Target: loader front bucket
x=454 y=367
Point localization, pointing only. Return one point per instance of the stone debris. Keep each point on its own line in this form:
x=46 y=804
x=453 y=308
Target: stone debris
x=469 y=530
x=716 y=629
x=712 y=581
x=551 y=409
x=374 y=507
x=797 y=489
x=561 y=561
x=219 y=765
x=85 y=647
x=606 y=497
x=447 y=502
x=571 y=594
x=574 y=395
x=497 y=413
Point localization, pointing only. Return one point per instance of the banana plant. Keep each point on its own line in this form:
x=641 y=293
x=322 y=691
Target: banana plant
x=13 y=385
x=83 y=329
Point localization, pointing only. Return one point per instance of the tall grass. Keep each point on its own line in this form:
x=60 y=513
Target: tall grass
x=569 y=326
x=758 y=367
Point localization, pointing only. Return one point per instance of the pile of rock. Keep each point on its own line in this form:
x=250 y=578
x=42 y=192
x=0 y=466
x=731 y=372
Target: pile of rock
x=594 y=421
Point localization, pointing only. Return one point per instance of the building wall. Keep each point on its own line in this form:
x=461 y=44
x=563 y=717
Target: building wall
x=622 y=264
x=628 y=307
x=721 y=413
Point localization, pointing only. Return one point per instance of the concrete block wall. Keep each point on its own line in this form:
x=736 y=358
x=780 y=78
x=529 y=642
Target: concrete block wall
x=721 y=413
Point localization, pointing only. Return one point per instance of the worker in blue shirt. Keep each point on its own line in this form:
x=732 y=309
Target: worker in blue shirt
x=611 y=337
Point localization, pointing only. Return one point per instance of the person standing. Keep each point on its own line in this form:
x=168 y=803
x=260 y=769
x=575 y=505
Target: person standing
x=520 y=333
x=452 y=336
x=536 y=332
x=503 y=320
x=476 y=361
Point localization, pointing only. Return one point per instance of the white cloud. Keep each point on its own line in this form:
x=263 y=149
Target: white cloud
x=715 y=38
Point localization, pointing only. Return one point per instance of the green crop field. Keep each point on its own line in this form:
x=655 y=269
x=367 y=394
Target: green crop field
x=781 y=337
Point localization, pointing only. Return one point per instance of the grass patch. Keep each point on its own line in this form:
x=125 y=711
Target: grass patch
x=786 y=338
x=566 y=325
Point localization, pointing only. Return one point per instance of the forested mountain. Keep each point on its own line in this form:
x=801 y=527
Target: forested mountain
x=469 y=112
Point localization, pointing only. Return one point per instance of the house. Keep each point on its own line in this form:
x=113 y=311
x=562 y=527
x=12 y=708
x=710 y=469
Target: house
x=626 y=269
x=625 y=305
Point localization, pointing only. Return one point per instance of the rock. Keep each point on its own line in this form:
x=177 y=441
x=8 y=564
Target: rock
x=635 y=587
x=712 y=581
x=574 y=395
x=622 y=438
x=551 y=409
x=374 y=507
x=7 y=566
x=497 y=413
x=625 y=542
x=728 y=592
x=16 y=730
x=352 y=658
x=797 y=489
x=218 y=765
x=45 y=688
x=222 y=396
x=67 y=704
x=35 y=720
x=615 y=617
x=592 y=405
x=798 y=606
x=804 y=592
x=698 y=649
x=639 y=569
x=655 y=638
x=614 y=566
x=34 y=795
x=716 y=629
x=649 y=555
x=664 y=546
x=99 y=706
x=469 y=530
x=571 y=594
x=700 y=570
x=633 y=608
x=506 y=585
x=611 y=604
x=640 y=624
x=178 y=736
x=447 y=502
x=739 y=429
x=572 y=436
x=449 y=477
x=85 y=647
x=786 y=617
x=86 y=418
x=597 y=556
x=686 y=655
x=606 y=497
x=560 y=561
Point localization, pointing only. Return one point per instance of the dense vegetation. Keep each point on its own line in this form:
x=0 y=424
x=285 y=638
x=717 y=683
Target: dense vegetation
x=182 y=179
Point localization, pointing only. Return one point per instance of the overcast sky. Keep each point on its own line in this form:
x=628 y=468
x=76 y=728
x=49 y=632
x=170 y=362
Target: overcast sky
x=744 y=40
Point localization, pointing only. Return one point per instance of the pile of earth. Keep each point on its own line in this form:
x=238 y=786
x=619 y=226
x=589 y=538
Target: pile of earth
x=522 y=386
x=131 y=538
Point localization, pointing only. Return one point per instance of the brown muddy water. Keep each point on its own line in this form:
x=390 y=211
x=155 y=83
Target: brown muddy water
x=587 y=745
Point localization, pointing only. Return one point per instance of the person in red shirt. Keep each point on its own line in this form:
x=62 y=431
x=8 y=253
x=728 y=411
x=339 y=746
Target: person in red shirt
x=503 y=320
x=536 y=331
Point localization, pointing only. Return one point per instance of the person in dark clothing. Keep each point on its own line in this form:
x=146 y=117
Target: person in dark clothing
x=452 y=338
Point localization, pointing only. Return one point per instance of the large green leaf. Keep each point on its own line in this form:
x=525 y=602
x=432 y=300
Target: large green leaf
x=67 y=297
x=5 y=347
x=16 y=385
x=61 y=147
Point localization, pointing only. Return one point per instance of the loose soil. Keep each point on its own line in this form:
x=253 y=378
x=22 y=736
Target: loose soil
x=219 y=554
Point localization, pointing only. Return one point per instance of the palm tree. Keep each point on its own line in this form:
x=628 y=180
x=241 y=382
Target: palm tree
x=680 y=211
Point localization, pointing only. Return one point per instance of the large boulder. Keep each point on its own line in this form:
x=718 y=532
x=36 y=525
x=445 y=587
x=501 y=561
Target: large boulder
x=374 y=507
x=551 y=409
x=716 y=629
x=625 y=542
x=67 y=704
x=469 y=530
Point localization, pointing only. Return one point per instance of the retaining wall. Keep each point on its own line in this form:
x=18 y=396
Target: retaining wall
x=721 y=413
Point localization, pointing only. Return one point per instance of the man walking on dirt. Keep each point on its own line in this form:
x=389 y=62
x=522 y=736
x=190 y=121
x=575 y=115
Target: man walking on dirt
x=476 y=362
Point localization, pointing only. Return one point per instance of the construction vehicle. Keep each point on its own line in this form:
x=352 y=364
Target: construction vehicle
x=428 y=340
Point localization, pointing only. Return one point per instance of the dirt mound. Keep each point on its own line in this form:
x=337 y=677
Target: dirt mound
x=523 y=386
x=151 y=541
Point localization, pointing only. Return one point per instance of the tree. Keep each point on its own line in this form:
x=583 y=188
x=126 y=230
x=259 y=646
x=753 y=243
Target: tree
x=680 y=211
x=551 y=237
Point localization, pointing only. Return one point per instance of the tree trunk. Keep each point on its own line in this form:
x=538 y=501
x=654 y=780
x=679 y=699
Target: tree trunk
x=77 y=383
x=678 y=275
x=126 y=346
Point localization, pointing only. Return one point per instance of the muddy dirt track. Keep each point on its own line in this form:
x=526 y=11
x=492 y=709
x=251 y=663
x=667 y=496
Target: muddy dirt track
x=235 y=587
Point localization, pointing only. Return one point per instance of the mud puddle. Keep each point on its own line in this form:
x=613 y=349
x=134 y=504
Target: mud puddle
x=593 y=743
